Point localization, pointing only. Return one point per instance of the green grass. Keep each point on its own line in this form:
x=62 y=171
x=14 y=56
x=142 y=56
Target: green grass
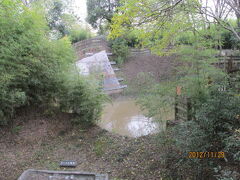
x=101 y=145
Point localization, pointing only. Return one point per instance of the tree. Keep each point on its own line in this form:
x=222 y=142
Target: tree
x=220 y=11
x=156 y=23
x=35 y=70
x=28 y=2
x=30 y=64
x=58 y=13
x=100 y=11
x=55 y=18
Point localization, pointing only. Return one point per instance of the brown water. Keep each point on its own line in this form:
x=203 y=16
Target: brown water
x=124 y=117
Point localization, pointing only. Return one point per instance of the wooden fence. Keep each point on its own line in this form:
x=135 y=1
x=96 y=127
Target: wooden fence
x=183 y=109
x=139 y=52
x=182 y=106
x=229 y=64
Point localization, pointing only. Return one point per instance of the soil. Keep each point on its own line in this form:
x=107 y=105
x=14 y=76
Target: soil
x=160 y=67
x=38 y=141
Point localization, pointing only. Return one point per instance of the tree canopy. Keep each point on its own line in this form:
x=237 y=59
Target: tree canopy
x=158 y=23
x=100 y=11
x=59 y=14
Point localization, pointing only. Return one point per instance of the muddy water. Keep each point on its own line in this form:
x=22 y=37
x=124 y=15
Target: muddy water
x=124 y=117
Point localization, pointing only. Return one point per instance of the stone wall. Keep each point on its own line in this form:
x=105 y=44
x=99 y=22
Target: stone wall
x=93 y=45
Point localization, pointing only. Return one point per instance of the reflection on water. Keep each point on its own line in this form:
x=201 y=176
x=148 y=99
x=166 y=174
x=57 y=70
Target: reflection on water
x=125 y=118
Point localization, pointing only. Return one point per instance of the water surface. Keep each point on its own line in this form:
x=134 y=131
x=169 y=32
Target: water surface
x=124 y=117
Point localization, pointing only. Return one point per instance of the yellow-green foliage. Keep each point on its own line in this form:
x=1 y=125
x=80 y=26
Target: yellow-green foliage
x=120 y=49
x=83 y=97
x=155 y=23
x=78 y=34
x=214 y=122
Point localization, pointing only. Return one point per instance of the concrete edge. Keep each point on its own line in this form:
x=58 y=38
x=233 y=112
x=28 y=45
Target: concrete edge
x=62 y=172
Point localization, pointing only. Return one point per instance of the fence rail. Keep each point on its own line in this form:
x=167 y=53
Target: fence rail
x=183 y=108
x=229 y=64
x=135 y=52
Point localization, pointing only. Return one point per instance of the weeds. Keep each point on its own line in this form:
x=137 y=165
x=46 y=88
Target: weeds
x=101 y=145
x=16 y=129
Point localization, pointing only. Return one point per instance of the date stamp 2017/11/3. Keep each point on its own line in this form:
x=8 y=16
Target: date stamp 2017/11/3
x=202 y=155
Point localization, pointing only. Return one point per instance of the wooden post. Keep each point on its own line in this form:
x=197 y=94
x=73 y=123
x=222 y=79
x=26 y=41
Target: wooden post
x=189 y=107
x=178 y=93
x=176 y=107
x=230 y=64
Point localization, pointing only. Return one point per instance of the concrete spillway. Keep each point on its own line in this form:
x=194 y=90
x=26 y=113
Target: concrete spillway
x=99 y=63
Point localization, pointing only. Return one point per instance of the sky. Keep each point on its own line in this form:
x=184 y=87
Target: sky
x=81 y=9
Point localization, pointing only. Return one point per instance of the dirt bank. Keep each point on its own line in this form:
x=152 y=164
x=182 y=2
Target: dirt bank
x=161 y=68
x=41 y=142
x=40 y=139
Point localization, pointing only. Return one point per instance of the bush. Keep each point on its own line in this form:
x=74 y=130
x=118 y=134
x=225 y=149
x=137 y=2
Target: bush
x=186 y=38
x=218 y=116
x=22 y=34
x=132 y=40
x=215 y=123
x=34 y=69
x=79 y=35
x=229 y=41
x=84 y=98
x=232 y=144
x=215 y=129
x=120 y=49
x=216 y=35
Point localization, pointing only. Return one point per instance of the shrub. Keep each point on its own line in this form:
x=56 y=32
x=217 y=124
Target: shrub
x=132 y=40
x=215 y=128
x=21 y=32
x=84 y=98
x=34 y=69
x=185 y=38
x=229 y=41
x=79 y=34
x=218 y=117
x=119 y=49
x=216 y=35
x=215 y=122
